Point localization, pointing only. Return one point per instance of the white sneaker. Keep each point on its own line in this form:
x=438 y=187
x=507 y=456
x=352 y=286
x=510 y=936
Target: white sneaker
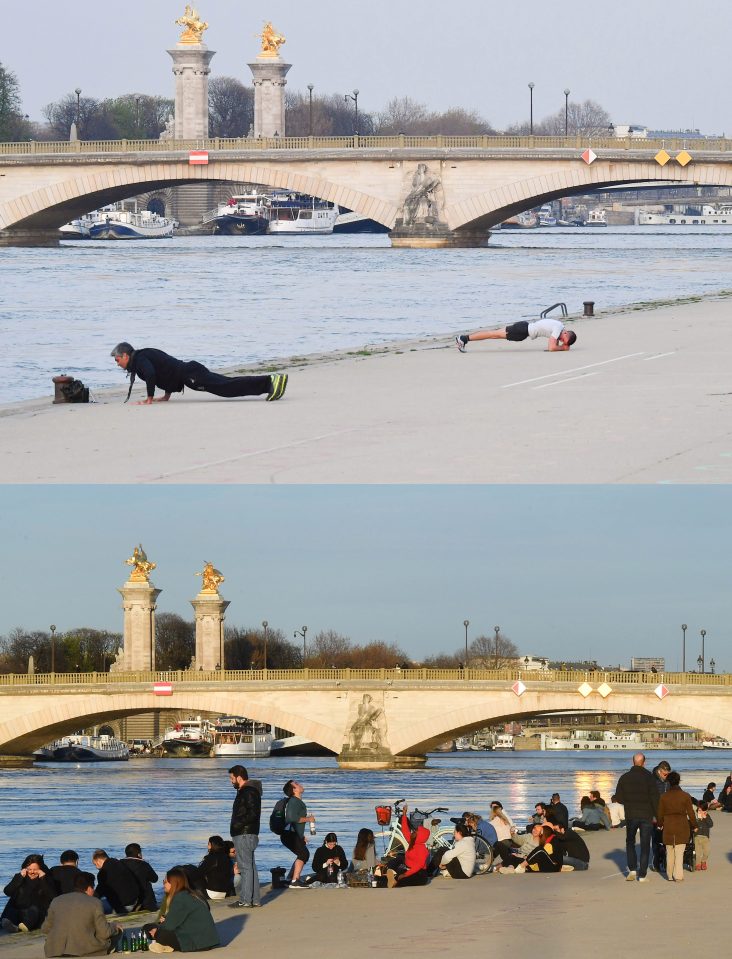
x=567 y=868
x=643 y=879
x=159 y=947
x=630 y=877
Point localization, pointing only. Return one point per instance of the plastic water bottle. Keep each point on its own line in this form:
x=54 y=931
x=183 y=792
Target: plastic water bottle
x=341 y=879
x=312 y=827
x=372 y=878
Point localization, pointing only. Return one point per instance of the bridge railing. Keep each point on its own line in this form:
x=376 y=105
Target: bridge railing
x=400 y=142
x=356 y=676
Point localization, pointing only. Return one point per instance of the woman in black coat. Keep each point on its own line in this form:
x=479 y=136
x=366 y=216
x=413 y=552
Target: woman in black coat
x=328 y=860
x=29 y=893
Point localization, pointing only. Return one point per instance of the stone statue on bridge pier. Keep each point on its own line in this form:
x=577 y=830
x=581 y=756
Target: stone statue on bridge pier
x=195 y=27
x=271 y=41
x=142 y=567
x=212 y=579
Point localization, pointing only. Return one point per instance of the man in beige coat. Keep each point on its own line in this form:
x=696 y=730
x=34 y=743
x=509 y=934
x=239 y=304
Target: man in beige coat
x=75 y=924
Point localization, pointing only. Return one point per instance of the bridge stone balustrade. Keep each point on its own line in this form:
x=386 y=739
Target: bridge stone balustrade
x=370 y=718
x=430 y=191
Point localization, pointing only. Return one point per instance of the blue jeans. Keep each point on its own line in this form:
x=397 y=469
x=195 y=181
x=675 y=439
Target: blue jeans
x=579 y=864
x=646 y=829
x=245 y=846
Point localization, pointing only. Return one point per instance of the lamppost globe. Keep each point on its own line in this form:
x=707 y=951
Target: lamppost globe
x=77 y=91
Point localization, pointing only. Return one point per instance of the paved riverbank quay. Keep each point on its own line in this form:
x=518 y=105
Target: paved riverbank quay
x=643 y=397
x=559 y=916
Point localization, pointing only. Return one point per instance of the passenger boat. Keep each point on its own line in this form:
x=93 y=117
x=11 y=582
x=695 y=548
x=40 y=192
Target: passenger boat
x=244 y=214
x=83 y=749
x=716 y=743
x=297 y=213
x=235 y=736
x=298 y=746
x=77 y=229
x=546 y=217
x=504 y=741
x=600 y=740
x=128 y=225
x=350 y=222
x=595 y=218
x=522 y=221
x=709 y=216
x=188 y=739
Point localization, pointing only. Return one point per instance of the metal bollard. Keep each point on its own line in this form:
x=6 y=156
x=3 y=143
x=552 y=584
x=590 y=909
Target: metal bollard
x=589 y=306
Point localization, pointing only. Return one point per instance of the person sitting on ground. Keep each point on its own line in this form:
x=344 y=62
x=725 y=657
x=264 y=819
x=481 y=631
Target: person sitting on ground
x=725 y=799
x=458 y=862
x=517 y=858
x=416 y=858
x=364 y=852
x=235 y=874
x=185 y=923
x=537 y=817
x=560 y=810
x=505 y=831
x=677 y=820
x=328 y=860
x=480 y=827
x=29 y=893
x=709 y=798
x=616 y=811
x=592 y=817
x=75 y=924
x=145 y=875
x=571 y=847
x=702 y=840
x=216 y=869
x=115 y=883
x=546 y=857
x=64 y=875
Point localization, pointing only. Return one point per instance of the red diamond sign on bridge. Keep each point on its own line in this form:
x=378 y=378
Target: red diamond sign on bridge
x=661 y=691
x=589 y=156
x=518 y=688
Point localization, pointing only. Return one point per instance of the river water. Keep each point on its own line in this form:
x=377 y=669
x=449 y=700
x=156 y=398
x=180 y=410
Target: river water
x=171 y=806
x=231 y=300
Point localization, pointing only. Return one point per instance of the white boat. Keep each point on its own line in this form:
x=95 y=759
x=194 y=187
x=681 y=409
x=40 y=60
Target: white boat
x=522 y=221
x=298 y=746
x=296 y=213
x=350 y=222
x=83 y=749
x=128 y=225
x=244 y=214
x=716 y=743
x=235 y=736
x=601 y=740
x=710 y=215
x=595 y=218
x=188 y=739
x=546 y=217
x=504 y=741
x=77 y=229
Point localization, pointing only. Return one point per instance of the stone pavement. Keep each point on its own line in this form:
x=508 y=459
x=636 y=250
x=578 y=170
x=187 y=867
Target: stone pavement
x=644 y=397
x=566 y=916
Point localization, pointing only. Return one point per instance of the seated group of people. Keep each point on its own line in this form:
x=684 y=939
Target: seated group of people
x=548 y=845
x=63 y=903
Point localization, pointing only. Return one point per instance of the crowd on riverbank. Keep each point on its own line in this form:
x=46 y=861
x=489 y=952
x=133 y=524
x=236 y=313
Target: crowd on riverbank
x=64 y=900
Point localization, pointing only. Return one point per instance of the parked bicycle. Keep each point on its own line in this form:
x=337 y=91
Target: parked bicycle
x=441 y=837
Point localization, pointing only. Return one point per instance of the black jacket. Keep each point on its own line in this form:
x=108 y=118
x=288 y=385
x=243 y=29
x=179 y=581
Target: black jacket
x=63 y=878
x=322 y=854
x=24 y=892
x=561 y=812
x=638 y=793
x=118 y=884
x=146 y=876
x=157 y=369
x=246 y=812
x=570 y=843
x=218 y=871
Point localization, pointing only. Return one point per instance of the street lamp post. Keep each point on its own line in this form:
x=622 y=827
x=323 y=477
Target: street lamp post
x=566 y=112
x=311 y=87
x=348 y=97
x=265 y=627
x=53 y=648
x=137 y=116
x=712 y=664
x=77 y=91
x=703 y=634
x=684 y=627
x=496 y=630
x=302 y=632
x=531 y=108
x=466 y=623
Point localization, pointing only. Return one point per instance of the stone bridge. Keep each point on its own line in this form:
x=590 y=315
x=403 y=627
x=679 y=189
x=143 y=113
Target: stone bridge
x=430 y=191
x=370 y=718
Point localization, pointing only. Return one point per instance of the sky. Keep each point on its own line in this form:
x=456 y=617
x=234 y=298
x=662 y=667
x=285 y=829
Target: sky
x=660 y=63
x=567 y=572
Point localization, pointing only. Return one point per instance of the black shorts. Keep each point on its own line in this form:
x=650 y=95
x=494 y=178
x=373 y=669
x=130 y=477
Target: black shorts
x=518 y=331
x=296 y=844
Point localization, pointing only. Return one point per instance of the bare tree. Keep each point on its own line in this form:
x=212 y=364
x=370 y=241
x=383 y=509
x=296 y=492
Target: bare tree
x=332 y=116
x=404 y=115
x=330 y=648
x=444 y=661
x=230 y=107
x=587 y=119
x=175 y=641
x=492 y=652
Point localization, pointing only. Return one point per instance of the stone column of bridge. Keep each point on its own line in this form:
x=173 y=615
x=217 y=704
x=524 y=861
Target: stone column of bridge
x=268 y=78
x=209 y=612
x=139 y=601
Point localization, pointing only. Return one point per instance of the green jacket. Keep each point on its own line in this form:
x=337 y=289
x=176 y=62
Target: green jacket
x=191 y=921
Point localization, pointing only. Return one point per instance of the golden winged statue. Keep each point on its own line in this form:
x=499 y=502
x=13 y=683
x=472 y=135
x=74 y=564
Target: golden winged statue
x=211 y=577
x=141 y=567
x=193 y=24
x=271 y=41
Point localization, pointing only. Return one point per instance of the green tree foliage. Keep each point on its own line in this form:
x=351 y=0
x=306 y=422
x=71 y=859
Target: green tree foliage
x=175 y=641
x=132 y=116
x=230 y=107
x=13 y=125
x=404 y=115
x=77 y=650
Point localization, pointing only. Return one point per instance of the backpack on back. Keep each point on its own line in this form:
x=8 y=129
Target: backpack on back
x=277 y=821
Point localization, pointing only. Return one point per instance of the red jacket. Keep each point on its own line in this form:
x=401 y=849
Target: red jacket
x=416 y=857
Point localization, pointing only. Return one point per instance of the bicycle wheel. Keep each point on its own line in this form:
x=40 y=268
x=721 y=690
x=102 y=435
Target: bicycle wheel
x=443 y=839
x=483 y=857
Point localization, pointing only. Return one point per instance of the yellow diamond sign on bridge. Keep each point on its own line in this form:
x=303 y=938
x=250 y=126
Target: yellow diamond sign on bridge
x=683 y=158
x=662 y=158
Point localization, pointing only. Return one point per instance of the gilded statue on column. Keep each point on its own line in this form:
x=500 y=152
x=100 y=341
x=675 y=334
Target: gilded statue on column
x=141 y=566
x=211 y=577
x=271 y=41
x=194 y=26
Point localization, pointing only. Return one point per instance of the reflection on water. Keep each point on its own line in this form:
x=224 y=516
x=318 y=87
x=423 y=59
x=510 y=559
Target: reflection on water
x=228 y=300
x=171 y=806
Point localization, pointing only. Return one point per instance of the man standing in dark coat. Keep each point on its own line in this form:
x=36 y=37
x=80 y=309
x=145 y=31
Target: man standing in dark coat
x=159 y=369
x=245 y=817
x=636 y=790
x=660 y=775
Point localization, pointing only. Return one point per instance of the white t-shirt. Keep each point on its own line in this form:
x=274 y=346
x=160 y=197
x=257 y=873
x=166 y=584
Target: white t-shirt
x=464 y=852
x=546 y=327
